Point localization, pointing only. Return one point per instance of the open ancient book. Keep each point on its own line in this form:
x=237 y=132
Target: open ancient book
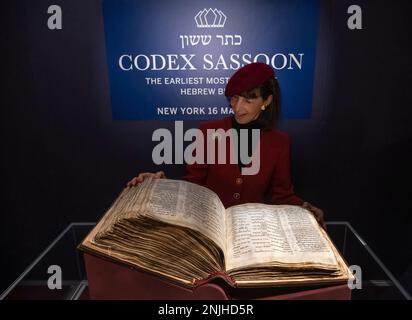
x=181 y=231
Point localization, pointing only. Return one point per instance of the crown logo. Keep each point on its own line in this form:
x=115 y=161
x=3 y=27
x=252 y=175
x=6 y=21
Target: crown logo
x=210 y=18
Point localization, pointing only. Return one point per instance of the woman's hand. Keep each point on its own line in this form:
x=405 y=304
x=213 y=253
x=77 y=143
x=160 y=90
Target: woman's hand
x=136 y=180
x=318 y=213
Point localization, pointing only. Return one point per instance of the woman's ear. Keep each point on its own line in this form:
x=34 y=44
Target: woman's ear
x=268 y=100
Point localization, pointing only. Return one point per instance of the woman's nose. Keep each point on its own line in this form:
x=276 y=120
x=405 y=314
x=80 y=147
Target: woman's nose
x=237 y=103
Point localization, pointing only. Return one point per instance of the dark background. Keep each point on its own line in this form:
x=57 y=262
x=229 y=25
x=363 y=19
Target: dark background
x=64 y=159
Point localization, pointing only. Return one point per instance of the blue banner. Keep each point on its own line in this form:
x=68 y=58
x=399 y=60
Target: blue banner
x=171 y=60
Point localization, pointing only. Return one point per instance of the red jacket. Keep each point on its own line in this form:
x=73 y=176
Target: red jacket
x=273 y=179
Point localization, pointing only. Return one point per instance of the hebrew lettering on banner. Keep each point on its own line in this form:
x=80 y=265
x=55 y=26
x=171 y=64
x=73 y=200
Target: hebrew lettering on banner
x=167 y=60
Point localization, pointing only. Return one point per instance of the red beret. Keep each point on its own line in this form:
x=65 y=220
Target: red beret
x=248 y=77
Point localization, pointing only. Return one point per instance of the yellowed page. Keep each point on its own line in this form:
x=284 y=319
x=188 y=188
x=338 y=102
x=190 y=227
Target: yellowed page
x=260 y=234
x=185 y=204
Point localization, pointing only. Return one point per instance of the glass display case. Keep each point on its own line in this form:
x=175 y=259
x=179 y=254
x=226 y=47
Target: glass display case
x=63 y=256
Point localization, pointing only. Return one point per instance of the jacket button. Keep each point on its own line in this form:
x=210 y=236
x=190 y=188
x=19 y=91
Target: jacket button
x=239 y=180
x=236 y=195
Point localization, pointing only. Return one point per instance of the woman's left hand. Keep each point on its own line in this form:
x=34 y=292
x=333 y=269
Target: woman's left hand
x=318 y=213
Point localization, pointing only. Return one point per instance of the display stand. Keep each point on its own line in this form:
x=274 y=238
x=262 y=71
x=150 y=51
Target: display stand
x=110 y=280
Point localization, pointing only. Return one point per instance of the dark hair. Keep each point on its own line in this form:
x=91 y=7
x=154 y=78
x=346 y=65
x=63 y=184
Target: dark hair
x=268 y=117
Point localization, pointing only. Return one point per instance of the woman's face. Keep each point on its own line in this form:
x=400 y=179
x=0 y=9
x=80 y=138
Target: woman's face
x=248 y=109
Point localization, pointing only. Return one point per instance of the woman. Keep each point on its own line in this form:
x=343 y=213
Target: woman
x=255 y=100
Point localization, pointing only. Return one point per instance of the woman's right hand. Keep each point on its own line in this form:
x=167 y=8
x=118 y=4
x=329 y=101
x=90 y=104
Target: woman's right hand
x=136 y=180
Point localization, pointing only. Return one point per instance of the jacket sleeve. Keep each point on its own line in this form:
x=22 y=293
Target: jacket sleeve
x=282 y=187
x=197 y=172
